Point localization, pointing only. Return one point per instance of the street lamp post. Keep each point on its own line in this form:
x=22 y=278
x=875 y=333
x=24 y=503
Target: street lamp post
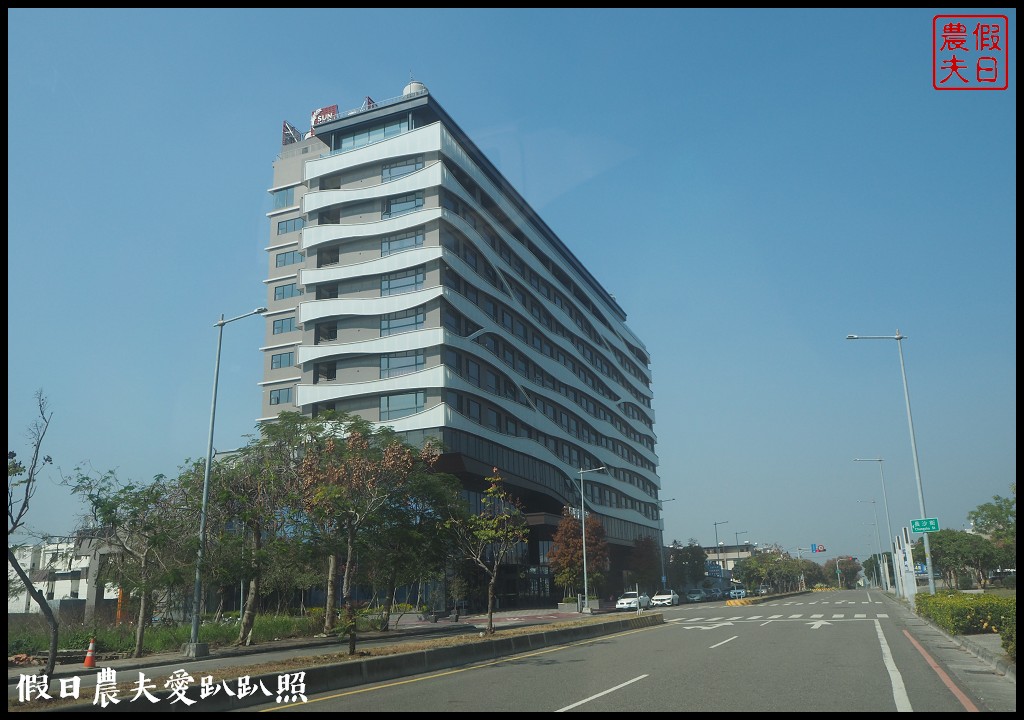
x=194 y=648
x=742 y=532
x=800 y=556
x=719 y=546
x=913 y=446
x=583 y=524
x=888 y=522
x=878 y=539
x=661 y=544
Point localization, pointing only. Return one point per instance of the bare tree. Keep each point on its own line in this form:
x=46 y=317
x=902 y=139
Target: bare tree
x=22 y=481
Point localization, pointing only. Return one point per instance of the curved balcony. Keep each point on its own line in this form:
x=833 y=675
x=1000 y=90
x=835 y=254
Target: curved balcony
x=322 y=234
x=377 y=266
x=314 y=310
x=422 y=179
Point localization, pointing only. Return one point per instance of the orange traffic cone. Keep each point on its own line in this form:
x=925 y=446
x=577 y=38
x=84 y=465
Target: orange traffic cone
x=90 y=656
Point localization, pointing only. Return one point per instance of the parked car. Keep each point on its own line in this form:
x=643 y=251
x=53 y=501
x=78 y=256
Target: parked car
x=696 y=596
x=630 y=600
x=713 y=594
x=763 y=590
x=665 y=597
x=737 y=593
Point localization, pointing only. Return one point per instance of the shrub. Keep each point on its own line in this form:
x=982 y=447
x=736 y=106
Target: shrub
x=968 y=613
x=1008 y=633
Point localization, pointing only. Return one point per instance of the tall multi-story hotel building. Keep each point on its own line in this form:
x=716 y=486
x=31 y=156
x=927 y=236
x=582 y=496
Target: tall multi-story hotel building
x=411 y=285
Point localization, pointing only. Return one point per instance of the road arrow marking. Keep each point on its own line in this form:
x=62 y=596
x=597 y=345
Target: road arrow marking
x=817 y=624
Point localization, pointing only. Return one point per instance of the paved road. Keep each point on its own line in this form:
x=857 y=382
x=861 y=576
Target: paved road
x=986 y=648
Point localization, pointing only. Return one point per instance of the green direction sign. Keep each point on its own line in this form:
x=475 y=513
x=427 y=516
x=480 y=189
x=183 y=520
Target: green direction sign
x=925 y=525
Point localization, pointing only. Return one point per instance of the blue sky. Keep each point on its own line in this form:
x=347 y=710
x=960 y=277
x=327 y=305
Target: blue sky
x=752 y=186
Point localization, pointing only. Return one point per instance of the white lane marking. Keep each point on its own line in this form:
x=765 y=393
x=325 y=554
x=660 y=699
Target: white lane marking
x=899 y=692
x=600 y=694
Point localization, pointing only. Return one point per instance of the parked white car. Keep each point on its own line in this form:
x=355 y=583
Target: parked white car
x=664 y=598
x=737 y=593
x=630 y=600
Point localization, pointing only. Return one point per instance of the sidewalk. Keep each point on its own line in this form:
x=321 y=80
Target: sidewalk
x=988 y=647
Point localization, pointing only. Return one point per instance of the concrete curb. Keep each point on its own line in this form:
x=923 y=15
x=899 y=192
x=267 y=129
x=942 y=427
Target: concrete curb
x=998 y=661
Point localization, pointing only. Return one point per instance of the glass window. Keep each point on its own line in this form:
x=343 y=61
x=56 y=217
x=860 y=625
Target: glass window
x=284 y=198
x=403 y=241
x=282 y=360
x=284 y=325
x=281 y=397
x=401 y=204
x=286 y=226
x=282 y=292
x=403 y=281
x=401 y=363
x=393 y=407
x=365 y=137
x=491 y=419
x=395 y=170
x=289 y=258
x=403 y=321
x=453 y=360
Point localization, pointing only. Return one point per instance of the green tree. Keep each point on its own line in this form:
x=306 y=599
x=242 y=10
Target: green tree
x=146 y=526
x=960 y=555
x=997 y=520
x=256 y=493
x=842 y=571
x=22 y=481
x=645 y=565
x=485 y=538
x=406 y=542
x=687 y=564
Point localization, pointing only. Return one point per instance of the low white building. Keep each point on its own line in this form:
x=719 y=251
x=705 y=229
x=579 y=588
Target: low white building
x=60 y=570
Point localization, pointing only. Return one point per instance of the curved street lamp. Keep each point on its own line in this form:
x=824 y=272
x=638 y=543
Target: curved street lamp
x=719 y=546
x=583 y=525
x=888 y=522
x=878 y=539
x=913 y=446
x=194 y=648
x=661 y=539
